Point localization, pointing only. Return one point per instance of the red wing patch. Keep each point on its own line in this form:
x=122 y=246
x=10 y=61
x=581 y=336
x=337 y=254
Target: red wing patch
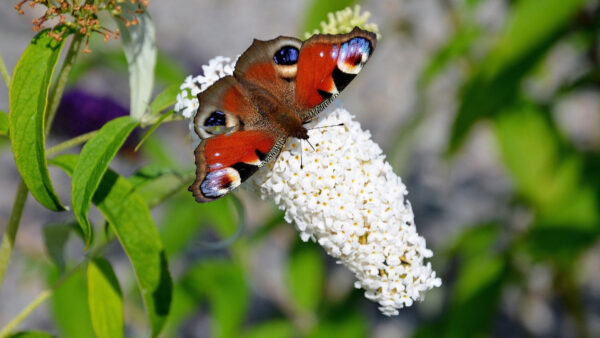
x=315 y=66
x=327 y=63
x=225 y=161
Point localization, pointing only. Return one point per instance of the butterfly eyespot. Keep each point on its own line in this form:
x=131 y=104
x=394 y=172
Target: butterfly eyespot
x=286 y=56
x=353 y=54
x=216 y=118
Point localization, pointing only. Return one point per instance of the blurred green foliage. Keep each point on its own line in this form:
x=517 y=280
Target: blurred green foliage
x=550 y=174
x=555 y=182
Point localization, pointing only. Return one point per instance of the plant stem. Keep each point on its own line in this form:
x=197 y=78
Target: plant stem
x=71 y=143
x=42 y=297
x=62 y=79
x=8 y=241
x=4 y=72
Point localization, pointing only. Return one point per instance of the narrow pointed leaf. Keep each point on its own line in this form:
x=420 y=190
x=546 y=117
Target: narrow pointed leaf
x=105 y=299
x=93 y=163
x=28 y=100
x=131 y=221
x=140 y=51
x=165 y=99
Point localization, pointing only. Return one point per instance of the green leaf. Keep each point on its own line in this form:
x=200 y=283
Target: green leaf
x=105 y=299
x=475 y=296
x=157 y=186
x=476 y=239
x=168 y=70
x=148 y=174
x=550 y=177
x=546 y=173
x=130 y=219
x=28 y=98
x=96 y=154
x=271 y=329
x=455 y=47
x=317 y=11
x=3 y=123
x=222 y=283
x=165 y=99
x=184 y=219
x=495 y=84
x=348 y=324
x=156 y=151
x=181 y=308
x=153 y=128
x=55 y=238
x=70 y=308
x=481 y=275
x=140 y=50
x=306 y=275
x=31 y=334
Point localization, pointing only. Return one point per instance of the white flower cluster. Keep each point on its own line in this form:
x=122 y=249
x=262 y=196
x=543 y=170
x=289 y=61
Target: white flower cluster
x=187 y=102
x=347 y=198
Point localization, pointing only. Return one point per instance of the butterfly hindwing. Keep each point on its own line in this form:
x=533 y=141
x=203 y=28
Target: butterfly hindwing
x=223 y=107
x=225 y=161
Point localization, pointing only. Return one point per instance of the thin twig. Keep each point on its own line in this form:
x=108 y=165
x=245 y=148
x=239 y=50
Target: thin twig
x=8 y=241
x=71 y=143
x=4 y=72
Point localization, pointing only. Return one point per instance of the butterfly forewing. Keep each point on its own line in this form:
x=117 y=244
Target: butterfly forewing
x=326 y=64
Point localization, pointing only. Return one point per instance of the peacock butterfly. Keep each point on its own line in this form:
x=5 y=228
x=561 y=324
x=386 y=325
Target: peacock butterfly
x=277 y=86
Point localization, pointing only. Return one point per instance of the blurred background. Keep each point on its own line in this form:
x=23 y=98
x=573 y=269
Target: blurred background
x=488 y=109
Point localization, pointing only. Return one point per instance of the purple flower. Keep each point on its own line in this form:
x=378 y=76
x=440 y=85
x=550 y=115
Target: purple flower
x=80 y=112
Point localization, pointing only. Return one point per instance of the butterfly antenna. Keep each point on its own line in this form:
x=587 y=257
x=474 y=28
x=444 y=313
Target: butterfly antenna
x=310 y=144
x=301 y=151
x=333 y=125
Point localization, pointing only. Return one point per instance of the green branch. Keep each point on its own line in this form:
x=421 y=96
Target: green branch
x=8 y=241
x=71 y=143
x=61 y=82
x=4 y=72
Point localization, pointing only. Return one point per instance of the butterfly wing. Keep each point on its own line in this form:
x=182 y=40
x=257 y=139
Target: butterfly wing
x=326 y=64
x=225 y=161
x=269 y=68
x=235 y=141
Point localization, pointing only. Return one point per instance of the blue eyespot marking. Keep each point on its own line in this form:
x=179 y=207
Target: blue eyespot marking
x=287 y=55
x=354 y=49
x=217 y=118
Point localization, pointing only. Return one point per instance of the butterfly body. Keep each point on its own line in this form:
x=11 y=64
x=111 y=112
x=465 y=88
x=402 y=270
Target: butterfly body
x=277 y=86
